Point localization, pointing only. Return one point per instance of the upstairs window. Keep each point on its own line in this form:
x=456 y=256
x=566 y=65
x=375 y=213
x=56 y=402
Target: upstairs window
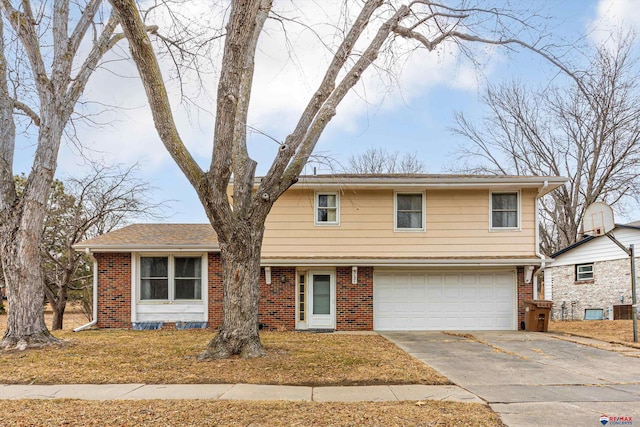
x=327 y=209
x=409 y=211
x=505 y=210
x=170 y=278
x=584 y=272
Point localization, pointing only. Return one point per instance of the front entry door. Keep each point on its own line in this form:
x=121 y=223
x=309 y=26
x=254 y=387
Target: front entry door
x=322 y=300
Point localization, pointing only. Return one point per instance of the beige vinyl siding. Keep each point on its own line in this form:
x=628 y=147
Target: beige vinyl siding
x=457 y=224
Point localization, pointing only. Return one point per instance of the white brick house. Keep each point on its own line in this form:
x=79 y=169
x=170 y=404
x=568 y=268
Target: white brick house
x=593 y=273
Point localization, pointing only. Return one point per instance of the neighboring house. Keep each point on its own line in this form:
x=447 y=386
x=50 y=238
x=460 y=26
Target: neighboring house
x=593 y=274
x=346 y=252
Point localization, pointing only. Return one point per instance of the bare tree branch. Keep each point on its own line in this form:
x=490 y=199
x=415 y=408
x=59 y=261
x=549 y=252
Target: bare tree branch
x=240 y=229
x=591 y=134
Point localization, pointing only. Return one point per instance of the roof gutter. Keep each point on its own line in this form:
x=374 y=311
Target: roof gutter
x=415 y=263
x=95 y=294
x=428 y=184
x=147 y=248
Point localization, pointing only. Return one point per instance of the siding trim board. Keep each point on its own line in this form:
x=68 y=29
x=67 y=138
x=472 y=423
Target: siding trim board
x=406 y=262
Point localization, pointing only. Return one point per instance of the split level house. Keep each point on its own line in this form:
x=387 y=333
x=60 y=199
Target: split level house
x=345 y=252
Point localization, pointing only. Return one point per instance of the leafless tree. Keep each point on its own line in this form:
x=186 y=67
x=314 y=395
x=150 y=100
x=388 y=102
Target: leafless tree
x=380 y=160
x=588 y=133
x=240 y=229
x=80 y=208
x=48 y=51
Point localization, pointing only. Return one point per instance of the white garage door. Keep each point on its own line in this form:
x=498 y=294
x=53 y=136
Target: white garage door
x=423 y=301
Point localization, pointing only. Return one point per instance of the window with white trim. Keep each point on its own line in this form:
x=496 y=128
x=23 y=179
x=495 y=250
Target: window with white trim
x=584 y=272
x=170 y=278
x=505 y=210
x=409 y=213
x=327 y=209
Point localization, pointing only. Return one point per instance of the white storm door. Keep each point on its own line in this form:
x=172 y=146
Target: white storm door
x=322 y=300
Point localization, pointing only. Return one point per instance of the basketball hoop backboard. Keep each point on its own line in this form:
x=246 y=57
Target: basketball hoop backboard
x=598 y=219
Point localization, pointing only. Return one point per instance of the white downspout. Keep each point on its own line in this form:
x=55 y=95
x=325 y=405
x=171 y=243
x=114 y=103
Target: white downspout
x=95 y=294
x=538 y=253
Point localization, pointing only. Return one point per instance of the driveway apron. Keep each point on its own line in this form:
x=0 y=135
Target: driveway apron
x=534 y=379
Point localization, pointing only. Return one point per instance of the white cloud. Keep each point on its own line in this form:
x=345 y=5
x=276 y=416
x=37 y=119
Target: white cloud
x=288 y=69
x=613 y=16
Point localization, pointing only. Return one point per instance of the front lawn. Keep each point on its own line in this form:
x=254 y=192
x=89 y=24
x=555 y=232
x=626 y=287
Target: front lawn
x=613 y=331
x=169 y=357
x=221 y=413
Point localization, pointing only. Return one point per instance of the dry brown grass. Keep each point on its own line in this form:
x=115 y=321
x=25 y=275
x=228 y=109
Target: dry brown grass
x=169 y=357
x=614 y=331
x=220 y=413
x=73 y=317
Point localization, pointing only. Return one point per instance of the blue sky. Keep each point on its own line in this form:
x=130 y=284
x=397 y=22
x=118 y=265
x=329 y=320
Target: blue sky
x=415 y=116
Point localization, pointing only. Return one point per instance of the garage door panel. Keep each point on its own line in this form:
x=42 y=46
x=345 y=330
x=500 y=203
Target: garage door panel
x=451 y=279
x=503 y=293
x=468 y=292
x=505 y=278
x=444 y=301
x=417 y=279
x=434 y=279
x=418 y=292
x=418 y=307
x=468 y=279
x=451 y=292
x=435 y=293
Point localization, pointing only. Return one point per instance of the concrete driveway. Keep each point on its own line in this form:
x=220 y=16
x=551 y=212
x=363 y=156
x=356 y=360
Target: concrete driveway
x=534 y=379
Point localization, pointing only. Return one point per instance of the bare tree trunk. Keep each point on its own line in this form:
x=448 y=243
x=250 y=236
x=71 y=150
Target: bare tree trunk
x=57 y=298
x=240 y=228
x=25 y=294
x=238 y=333
x=51 y=46
x=58 y=315
x=20 y=248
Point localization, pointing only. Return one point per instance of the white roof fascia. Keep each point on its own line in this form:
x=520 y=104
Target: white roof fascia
x=310 y=262
x=434 y=183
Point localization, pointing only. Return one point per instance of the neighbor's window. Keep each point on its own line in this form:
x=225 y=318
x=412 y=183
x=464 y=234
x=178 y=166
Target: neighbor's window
x=170 y=278
x=409 y=211
x=504 y=210
x=584 y=272
x=327 y=208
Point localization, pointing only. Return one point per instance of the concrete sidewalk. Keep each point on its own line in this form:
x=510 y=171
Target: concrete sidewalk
x=238 y=392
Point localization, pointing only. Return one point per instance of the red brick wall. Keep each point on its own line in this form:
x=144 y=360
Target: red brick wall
x=278 y=300
x=525 y=292
x=354 y=303
x=114 y=290
x=215 y=289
